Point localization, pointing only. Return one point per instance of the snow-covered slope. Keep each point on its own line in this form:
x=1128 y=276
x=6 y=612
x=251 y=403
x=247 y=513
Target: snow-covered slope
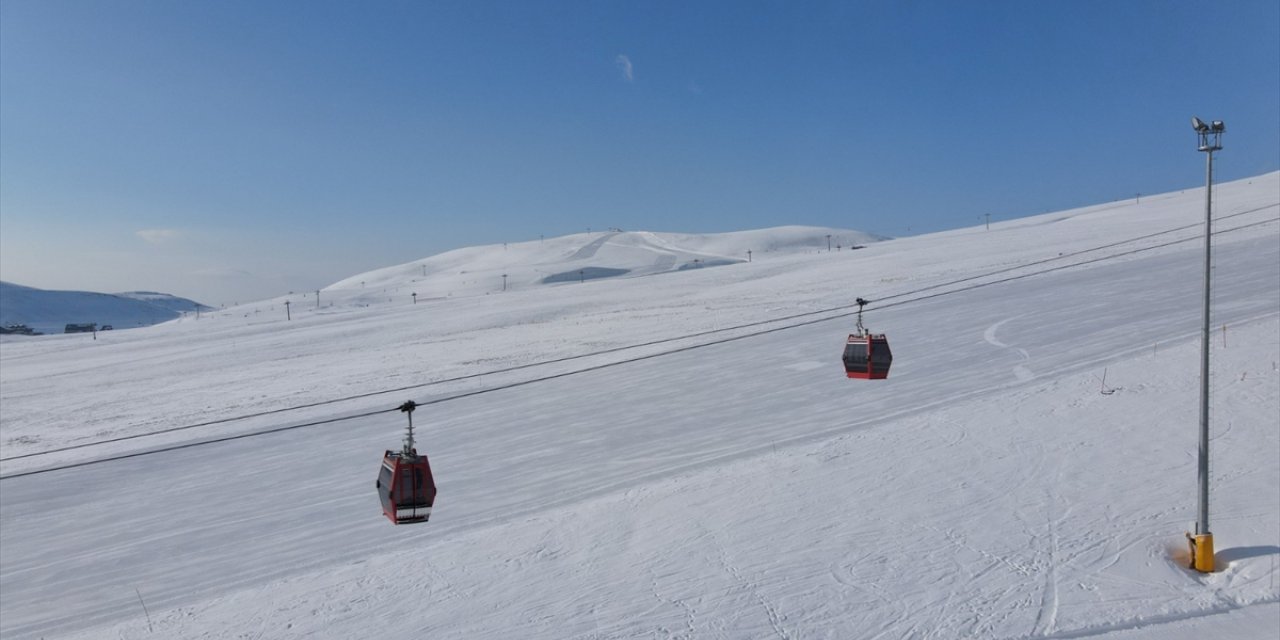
x=166 y=301
x=680 y=456
x=577 y=258
x=50 y=311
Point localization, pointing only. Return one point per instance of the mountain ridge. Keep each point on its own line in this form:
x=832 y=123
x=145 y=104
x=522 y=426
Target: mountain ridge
x=49 y=311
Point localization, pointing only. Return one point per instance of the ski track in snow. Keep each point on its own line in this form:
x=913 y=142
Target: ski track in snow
x=590 y=249
x=1020 y=371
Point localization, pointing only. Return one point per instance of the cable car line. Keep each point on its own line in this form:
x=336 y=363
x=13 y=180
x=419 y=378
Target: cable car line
x=493 y=372
x=612 y=349
x=477 y=392
x=189 y=445
x=422 y=385
x=1068 y=266
x=1196 y=225
x=370 y=394
x=616 y=349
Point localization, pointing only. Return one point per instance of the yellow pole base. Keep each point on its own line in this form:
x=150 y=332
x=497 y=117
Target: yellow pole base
x=1201 y=552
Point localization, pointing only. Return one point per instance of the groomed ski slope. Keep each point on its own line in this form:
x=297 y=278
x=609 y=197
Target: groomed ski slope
x=740 y=490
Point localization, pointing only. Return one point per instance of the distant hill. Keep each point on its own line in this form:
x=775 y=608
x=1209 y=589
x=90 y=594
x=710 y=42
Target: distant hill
x=605 y=254
x=164 y=300
x=50 y=311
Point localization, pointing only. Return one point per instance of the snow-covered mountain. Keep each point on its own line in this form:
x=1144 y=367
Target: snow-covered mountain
x=50 y=311
x=166 y=301
x=580 y=257
x=677 y=456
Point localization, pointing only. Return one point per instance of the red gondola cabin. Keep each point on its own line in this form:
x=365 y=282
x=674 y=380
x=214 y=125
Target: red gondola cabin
x=404 y=483
x=406 y=487
x=867 y=356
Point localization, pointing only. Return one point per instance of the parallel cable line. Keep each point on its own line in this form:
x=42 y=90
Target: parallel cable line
x=540 y=363
x=826 y=318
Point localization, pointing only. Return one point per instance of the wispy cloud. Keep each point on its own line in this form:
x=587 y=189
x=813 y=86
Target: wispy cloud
x=222 y=272
x=159 y=236
x=624 y=65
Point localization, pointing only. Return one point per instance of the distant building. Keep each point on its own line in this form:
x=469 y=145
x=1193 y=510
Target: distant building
x=81 y=328
x=18 y=329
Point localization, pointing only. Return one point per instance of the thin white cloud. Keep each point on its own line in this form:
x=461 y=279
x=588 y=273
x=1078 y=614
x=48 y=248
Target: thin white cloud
x=624 y=65
x=159 y=236
x=222 y=272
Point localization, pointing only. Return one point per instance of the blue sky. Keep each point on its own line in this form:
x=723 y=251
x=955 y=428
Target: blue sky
x=229 y=151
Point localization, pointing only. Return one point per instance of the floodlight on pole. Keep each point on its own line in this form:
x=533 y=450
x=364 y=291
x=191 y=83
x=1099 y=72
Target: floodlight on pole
x=1201 y=542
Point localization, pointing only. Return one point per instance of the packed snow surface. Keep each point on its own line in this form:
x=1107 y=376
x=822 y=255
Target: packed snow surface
x=678 y=455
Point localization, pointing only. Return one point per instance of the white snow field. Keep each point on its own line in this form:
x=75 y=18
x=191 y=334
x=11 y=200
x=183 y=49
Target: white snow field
x=704 y=469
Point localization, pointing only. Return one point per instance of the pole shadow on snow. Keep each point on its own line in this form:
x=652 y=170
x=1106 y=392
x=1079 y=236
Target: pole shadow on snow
x=1227 y=556
x=1180 y=554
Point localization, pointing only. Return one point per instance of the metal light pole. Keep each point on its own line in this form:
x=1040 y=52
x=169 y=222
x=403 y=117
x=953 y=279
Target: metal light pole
x=1202 y=542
